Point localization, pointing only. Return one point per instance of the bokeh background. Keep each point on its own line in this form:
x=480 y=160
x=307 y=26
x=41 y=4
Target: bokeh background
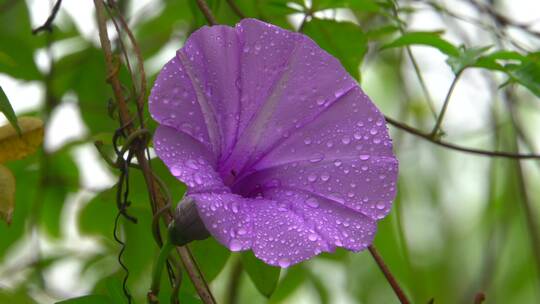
x=463 y=227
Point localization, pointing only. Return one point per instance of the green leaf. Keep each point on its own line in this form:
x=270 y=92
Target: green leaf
x=356 y=5
x=344 y=40
x=19 y=296
x=527 y=73
x=89 y=299
x=61 y=177
x=467 y=57
x=13 y=146
x=7 y=109
x=211 y=255
x=263 y=276
x=18 y=43
x=432 y=39
x=294 y=277
x=7 y=194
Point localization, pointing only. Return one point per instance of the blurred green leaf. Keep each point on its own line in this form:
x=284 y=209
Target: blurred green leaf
x=7 y=109
x=344 y=40
x=89 y=299
x=263 y=276
x=357 y=5
x=17 y=296
x=432 y=39
x=18 y=43
x=212 y=255
x=7 y=194
x=294 y=277
x=61 y=177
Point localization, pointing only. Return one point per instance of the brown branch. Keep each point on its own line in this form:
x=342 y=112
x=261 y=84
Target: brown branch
x=389 y=276
x=156 y=199
x=205 y=10
x=236 y=9
x=451 y=146
x=47 y=26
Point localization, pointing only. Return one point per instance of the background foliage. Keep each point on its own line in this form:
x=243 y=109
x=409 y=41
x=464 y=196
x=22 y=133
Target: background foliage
x=464 y=225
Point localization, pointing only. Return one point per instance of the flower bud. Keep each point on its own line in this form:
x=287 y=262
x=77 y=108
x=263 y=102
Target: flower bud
x=187 y=226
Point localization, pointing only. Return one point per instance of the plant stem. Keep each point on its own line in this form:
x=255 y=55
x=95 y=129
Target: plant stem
x=389 y=276
x=445 y=105
x=158 y=267
x=451 y=146
x=156 y=199
x=205 y=10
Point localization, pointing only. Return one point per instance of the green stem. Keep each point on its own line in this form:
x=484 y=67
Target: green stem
x=159 y=265
x=445 y=105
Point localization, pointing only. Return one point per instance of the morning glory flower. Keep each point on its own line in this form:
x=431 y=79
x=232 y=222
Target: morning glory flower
x=282 y=152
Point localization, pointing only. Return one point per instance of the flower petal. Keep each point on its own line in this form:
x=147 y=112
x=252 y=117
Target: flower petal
x=211 y=57
x=187 y=159
x=227 y=217
x=173 y=103
x=286 y=81
x=344 y=155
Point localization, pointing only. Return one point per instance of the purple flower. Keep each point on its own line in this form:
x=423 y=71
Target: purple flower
x=282 y=151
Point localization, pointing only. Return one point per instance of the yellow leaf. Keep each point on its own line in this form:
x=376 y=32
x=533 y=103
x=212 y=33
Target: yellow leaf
x=7 y=194
x=13 y=146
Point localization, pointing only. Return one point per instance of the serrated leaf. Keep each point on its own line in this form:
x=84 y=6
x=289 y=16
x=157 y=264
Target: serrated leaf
x=7 y=109
x=7 y=194
x=432 y=39
x=344 y=40
x=263 y=276
x=13 y=146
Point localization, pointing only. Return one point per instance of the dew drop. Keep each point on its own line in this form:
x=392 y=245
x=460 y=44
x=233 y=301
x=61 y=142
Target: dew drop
x=364 y=157
x=312 y=202
x=325 y=177
x=313 y=237
x=346 y=140
x=284 y=262
x=312 y=177
x=235 y=245
x=176 y=171
x=317 y=157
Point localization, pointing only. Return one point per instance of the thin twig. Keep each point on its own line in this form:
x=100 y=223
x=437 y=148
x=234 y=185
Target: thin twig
x=236 y=9
x=205 y=10
x=439 y=142
x=156 y=199
x=389 y=276
x=415 y=65
x=47 y=26
x=440 y=117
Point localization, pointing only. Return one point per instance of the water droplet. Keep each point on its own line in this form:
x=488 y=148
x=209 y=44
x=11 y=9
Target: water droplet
x=337 y=163
x=373 y=131
x=246 y=49
x=235 y=245
x=313 y=237
x=242 y=231
x=346 y=140
x=357 y=135
x=380 y=205
x=307 y=140
x=312 y=202
x=312 y=177
x=284 y=262
x=364 y=157
x=320 y=101
x=325 y=177
x=317 y=157
x=176 y=171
